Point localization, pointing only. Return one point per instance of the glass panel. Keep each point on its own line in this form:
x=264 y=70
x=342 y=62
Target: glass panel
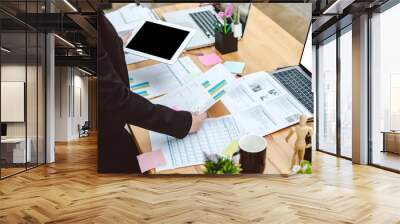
x=385 y=84
x=13 y=87
x=346 y=93
x=32 y=90
x=41 y=98
x=32 y=98
x=327 y=96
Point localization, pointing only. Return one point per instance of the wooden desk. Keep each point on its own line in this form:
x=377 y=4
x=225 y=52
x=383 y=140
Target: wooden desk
x=264 y=47
x=14 y=152
x=391 y=141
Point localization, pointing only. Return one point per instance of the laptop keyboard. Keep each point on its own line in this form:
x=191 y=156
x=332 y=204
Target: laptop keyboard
x=206 y=20
x=298 y=85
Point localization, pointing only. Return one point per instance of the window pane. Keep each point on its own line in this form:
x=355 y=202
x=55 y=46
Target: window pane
x=13 y=87
x=385 y=84
x=327 y=96
x=41 y=98
x=31 y=97
x=346 y=94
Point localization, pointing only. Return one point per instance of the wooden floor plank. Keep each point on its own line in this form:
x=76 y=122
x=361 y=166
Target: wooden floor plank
x=71 y=191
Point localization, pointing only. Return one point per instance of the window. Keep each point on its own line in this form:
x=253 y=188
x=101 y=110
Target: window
x=346 y=92
x=22 y=77
x=385 y=88
x=327 y=96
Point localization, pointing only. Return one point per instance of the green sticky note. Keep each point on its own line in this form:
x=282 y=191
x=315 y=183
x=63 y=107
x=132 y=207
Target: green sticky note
x=235 y=67
x=231 y=148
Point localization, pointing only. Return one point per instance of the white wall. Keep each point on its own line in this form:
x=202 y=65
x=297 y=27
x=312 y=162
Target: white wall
x=34 y=125
x=16 y=73
x=71 y=94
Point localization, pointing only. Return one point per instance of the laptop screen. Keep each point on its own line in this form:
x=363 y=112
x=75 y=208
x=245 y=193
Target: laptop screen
x=306 y=57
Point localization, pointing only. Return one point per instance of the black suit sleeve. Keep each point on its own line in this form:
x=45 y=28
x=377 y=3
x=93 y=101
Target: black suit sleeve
x=131 y=108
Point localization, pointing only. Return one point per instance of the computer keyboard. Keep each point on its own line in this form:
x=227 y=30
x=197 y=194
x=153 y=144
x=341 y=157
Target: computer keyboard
x=206 y=20
x=298 y=85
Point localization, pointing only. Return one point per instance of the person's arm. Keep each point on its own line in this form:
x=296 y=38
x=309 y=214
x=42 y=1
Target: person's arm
x=131 y=108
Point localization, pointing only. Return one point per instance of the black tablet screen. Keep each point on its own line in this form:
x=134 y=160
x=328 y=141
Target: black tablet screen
x=158 y=40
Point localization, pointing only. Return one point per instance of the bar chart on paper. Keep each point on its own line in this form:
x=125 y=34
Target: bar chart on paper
x=159 y=79
x=139 y=88
x=216 y=91
x=201 y=93
x=214 y=136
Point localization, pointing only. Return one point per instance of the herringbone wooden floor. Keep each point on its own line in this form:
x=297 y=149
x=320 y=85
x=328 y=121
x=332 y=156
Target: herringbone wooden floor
x=70 y=191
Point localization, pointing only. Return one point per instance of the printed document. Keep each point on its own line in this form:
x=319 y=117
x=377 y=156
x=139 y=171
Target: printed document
x=262 y=106
x=159 y=79
x=129 y=17
x=201 y=93
x=212 y=138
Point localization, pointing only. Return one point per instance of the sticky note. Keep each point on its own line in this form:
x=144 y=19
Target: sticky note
x=231 y=148
x=151 y=160
x=234 y=67
x=210 y=59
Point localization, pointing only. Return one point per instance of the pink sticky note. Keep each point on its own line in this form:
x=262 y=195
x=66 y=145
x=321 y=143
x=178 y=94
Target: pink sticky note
x=210 y=59
x=151 y=160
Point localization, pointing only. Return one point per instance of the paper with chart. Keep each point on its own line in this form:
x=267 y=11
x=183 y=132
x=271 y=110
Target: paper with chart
x=212 y=138
x=262 y=106
x=201 y=93
x=159 y=79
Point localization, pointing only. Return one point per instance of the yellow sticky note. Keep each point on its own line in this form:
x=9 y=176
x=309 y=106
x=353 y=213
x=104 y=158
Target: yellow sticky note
x=231 y=148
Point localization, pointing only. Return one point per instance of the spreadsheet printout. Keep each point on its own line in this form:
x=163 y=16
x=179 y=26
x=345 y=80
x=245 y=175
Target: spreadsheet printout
x=212 y=138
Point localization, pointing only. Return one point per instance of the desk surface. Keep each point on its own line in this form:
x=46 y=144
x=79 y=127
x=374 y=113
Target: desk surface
x=264 y=47
x=13 y=140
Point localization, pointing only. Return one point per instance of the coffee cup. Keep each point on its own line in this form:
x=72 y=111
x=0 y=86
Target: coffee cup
x=252 y=150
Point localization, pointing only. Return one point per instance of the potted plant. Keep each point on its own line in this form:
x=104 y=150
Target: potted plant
x=305 y=167
x=225 y=41
x=237 y=25
x=216 y=164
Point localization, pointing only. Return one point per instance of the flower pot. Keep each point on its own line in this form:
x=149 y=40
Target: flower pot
x=225 y=43
x=237 y=30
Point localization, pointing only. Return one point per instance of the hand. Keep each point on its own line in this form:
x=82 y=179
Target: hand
x=197 y=121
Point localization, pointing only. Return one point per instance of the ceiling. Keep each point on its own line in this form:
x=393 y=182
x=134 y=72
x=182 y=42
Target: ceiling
x=75 y=22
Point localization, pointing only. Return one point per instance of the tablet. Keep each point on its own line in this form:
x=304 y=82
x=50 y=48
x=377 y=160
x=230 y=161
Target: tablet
x=158 y=40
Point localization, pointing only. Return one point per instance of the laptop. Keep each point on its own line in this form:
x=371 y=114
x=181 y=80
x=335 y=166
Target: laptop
x=297 y=80
x=203 y=20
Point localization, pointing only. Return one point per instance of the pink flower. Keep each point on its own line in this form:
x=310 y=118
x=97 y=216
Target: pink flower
x=229 y=10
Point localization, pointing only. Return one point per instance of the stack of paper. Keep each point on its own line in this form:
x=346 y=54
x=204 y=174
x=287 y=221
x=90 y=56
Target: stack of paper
x=262 y=106
x=129 y=17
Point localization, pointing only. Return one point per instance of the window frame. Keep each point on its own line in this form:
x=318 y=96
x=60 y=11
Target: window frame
x=337 y=34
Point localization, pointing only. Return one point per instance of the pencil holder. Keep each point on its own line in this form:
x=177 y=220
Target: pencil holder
x=225 y=43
